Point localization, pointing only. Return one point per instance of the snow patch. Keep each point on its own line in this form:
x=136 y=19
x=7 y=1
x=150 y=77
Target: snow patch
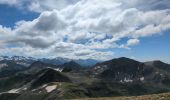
x=50 y=88
x=58 y=69
x=25 y=88
x=3 y=65
x=14 y=91
x=22 y=63
x=128 y=80
x=44 y=86
x=97 y=67
x=142 y=79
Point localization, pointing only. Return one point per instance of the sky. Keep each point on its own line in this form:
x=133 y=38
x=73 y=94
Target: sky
x=82 y=29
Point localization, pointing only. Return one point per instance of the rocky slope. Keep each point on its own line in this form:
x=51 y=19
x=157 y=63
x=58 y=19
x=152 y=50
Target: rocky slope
x=116 y=77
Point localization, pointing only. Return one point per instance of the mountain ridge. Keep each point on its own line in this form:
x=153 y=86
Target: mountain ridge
x=117 y=77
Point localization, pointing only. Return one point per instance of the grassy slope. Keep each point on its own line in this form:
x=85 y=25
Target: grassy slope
x=163 y=96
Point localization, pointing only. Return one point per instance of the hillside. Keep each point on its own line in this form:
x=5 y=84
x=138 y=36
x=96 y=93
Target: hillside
x=163 y=96
x=120 y=77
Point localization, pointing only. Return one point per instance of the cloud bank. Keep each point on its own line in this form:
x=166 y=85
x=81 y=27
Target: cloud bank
x=84 y=28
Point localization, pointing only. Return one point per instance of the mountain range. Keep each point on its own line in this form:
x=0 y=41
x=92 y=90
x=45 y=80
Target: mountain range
x=26 y=61
x=45 y=79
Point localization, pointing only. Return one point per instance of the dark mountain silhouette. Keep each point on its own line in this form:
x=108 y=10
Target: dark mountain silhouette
x=55 y=61
x=71 y=66
x=8 y=68
x=38 y=66
x=128 y=70
x=87 y=62
x=158 y=64
x=49 y=75
x=60 y=61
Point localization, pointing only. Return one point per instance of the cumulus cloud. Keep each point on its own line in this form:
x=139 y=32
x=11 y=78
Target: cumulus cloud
x=44 y=5
x=86 y=28
x=39 y=5
x=4 y=30
x=132 y=42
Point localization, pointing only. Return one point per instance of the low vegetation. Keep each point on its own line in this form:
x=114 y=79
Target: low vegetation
x=163 y=96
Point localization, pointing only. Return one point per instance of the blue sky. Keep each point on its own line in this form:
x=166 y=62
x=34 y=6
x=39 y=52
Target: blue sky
x=9 y=15
x=106 y=30
x=151 y=48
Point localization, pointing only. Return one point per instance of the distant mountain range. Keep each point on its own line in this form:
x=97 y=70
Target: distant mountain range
x=26 y=61
x=46 y=79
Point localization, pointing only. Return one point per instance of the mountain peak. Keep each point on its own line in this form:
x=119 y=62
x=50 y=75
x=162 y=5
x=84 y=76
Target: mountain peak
x=72 y=65
x=37 y=63
x=159 y=64
x=42 y=65
x=49 y=75
x=124 y=59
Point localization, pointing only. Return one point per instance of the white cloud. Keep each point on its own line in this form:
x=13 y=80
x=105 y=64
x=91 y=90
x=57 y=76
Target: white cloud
x=44 y=5
x=39 y=5
x=132 y=42
x=83 y=28
x=4 y=30
x=145 y=5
